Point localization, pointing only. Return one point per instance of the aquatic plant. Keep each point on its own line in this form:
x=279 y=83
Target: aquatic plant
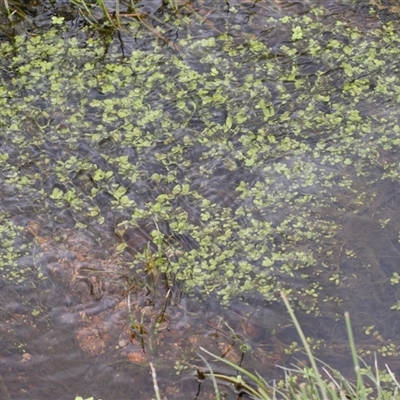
x=99 y=15
x=261 y=155
x=307 y=382
x=81 y=398
x=88 y=11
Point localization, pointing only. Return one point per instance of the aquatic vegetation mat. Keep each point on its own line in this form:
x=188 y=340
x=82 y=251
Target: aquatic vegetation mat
x=243 y=156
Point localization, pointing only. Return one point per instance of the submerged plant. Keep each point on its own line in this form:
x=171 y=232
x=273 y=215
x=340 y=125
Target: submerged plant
x=99 y=15
x=249 y=149
x=87 y=10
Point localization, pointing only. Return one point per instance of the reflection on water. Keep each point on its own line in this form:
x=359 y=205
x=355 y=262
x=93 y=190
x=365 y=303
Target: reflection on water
x=157 y=198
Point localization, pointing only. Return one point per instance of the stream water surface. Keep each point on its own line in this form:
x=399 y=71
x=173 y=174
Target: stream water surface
x=162 y=183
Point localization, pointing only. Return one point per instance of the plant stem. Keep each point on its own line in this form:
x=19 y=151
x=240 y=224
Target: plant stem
x=320 y=382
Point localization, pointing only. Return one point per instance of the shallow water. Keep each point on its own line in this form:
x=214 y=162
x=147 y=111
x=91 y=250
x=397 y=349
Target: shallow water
x=159 y=190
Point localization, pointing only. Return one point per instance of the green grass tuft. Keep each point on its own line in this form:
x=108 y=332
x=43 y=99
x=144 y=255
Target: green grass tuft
x=307 y=383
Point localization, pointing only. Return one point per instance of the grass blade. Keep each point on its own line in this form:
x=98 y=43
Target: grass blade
x=262 y=390
x=311 y=358
x=361 y=392
x=155 y=384
x=214 y=381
